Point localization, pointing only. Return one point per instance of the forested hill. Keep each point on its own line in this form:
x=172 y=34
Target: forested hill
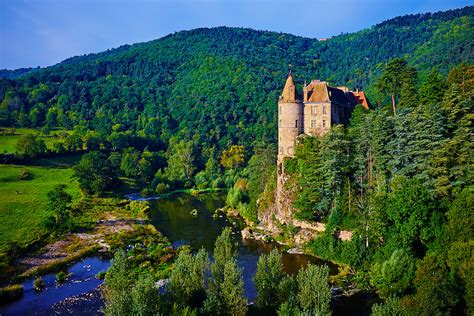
x=220 y=85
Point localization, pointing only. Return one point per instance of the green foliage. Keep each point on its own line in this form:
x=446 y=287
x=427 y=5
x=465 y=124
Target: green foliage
x=235 y=196
x=224 y=250
x=436 y=289
x=314 y=292
x=61 y=277
x=143 y=295
x=95 y=174
x=224 y=295
x=180 y=161
x=38 y=284
x=58 y=203
x=393 y=276
x=267 y=280
x=232 y=290
x=30 y=146
x=232 y=157
x=391 y=307
x=117 y=286
x=188 y=278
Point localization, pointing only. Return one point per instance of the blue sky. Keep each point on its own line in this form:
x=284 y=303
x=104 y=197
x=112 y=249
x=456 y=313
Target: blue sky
x=42 y=33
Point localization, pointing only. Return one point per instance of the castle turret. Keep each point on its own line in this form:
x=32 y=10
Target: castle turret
x=290 y=120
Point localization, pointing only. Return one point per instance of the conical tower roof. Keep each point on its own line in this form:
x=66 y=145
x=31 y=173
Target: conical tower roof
x=289 y=92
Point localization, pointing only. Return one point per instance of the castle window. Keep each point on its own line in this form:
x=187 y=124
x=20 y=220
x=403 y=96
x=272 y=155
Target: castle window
x=296 y=123
x=313 y=110
x=324 y=123
x=324 y=109
x=313 y=123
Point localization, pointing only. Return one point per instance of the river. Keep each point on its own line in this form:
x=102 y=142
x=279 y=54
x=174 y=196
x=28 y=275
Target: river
x=172 y=216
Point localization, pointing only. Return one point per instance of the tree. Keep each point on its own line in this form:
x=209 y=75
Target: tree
x=393 y=276
x=395 y=73
x=144 y=297
x=232 y=157
x=129 y=163
x=225 y=252
x=94 y=173
x=58 y=203
x=30 y=146
x=267 y=280
x=437 y=291
x=232 y=288
x=391 y=307
x=117 y=286
x=188 y=278
x=180 y=160
x=314 y=292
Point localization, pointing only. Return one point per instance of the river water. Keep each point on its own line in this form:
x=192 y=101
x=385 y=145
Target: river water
x=172 y=216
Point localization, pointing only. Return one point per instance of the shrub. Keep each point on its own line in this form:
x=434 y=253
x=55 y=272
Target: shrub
x=100 y=275
x=61 y=277
x=235 y=196
x=38 y=284
x=24 y=174
x=162 y=188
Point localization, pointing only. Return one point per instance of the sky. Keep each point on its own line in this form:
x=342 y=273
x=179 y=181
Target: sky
x=42 y=33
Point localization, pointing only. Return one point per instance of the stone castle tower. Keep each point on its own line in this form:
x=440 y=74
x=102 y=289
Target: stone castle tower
x=320 y=107
x=290 y=120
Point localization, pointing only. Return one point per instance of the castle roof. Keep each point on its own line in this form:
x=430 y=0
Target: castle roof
x=361 y=99
x=320 y=91
x=289 y=91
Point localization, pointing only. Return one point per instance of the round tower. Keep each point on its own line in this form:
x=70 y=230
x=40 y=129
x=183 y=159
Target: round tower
x=290 y=120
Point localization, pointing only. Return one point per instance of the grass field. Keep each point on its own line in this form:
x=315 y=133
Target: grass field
x=8 y=142
x=22 y=214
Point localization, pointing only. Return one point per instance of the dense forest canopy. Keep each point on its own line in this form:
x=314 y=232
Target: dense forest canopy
x=220 y=85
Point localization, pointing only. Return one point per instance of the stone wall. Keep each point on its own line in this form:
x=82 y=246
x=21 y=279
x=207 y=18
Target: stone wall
x=317 y=118
x=290 y=125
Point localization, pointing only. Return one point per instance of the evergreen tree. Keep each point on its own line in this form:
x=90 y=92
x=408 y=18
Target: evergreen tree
x=267 y=280
x=314 y=292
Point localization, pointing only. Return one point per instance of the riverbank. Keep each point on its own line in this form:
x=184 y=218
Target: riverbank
x=111 y=223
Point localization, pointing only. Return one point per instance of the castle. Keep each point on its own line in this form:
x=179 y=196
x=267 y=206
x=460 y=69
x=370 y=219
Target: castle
x=322 y=107
x=312 y=113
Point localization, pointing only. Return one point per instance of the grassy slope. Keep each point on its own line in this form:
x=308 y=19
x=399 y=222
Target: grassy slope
x=22 y=215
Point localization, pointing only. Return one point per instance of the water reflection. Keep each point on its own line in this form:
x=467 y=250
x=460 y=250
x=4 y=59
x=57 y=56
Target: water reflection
x=172 y=216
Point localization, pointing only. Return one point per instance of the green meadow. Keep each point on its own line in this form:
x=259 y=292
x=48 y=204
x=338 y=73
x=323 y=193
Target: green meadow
x=23 y=206
x=9 y=138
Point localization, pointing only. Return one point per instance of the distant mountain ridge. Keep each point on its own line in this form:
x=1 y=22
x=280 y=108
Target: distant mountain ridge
x=224 y=82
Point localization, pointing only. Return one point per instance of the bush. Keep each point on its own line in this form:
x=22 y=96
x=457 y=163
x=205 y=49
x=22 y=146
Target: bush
x=218 y=183
x=390 y=307
x=146 y=192
x=100 y=275
x=162 y=188
x=236 y=196
x=38 y=284
x=61 y=277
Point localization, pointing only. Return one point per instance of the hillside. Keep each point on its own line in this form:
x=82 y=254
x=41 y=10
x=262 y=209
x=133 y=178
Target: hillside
x=220 y=85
